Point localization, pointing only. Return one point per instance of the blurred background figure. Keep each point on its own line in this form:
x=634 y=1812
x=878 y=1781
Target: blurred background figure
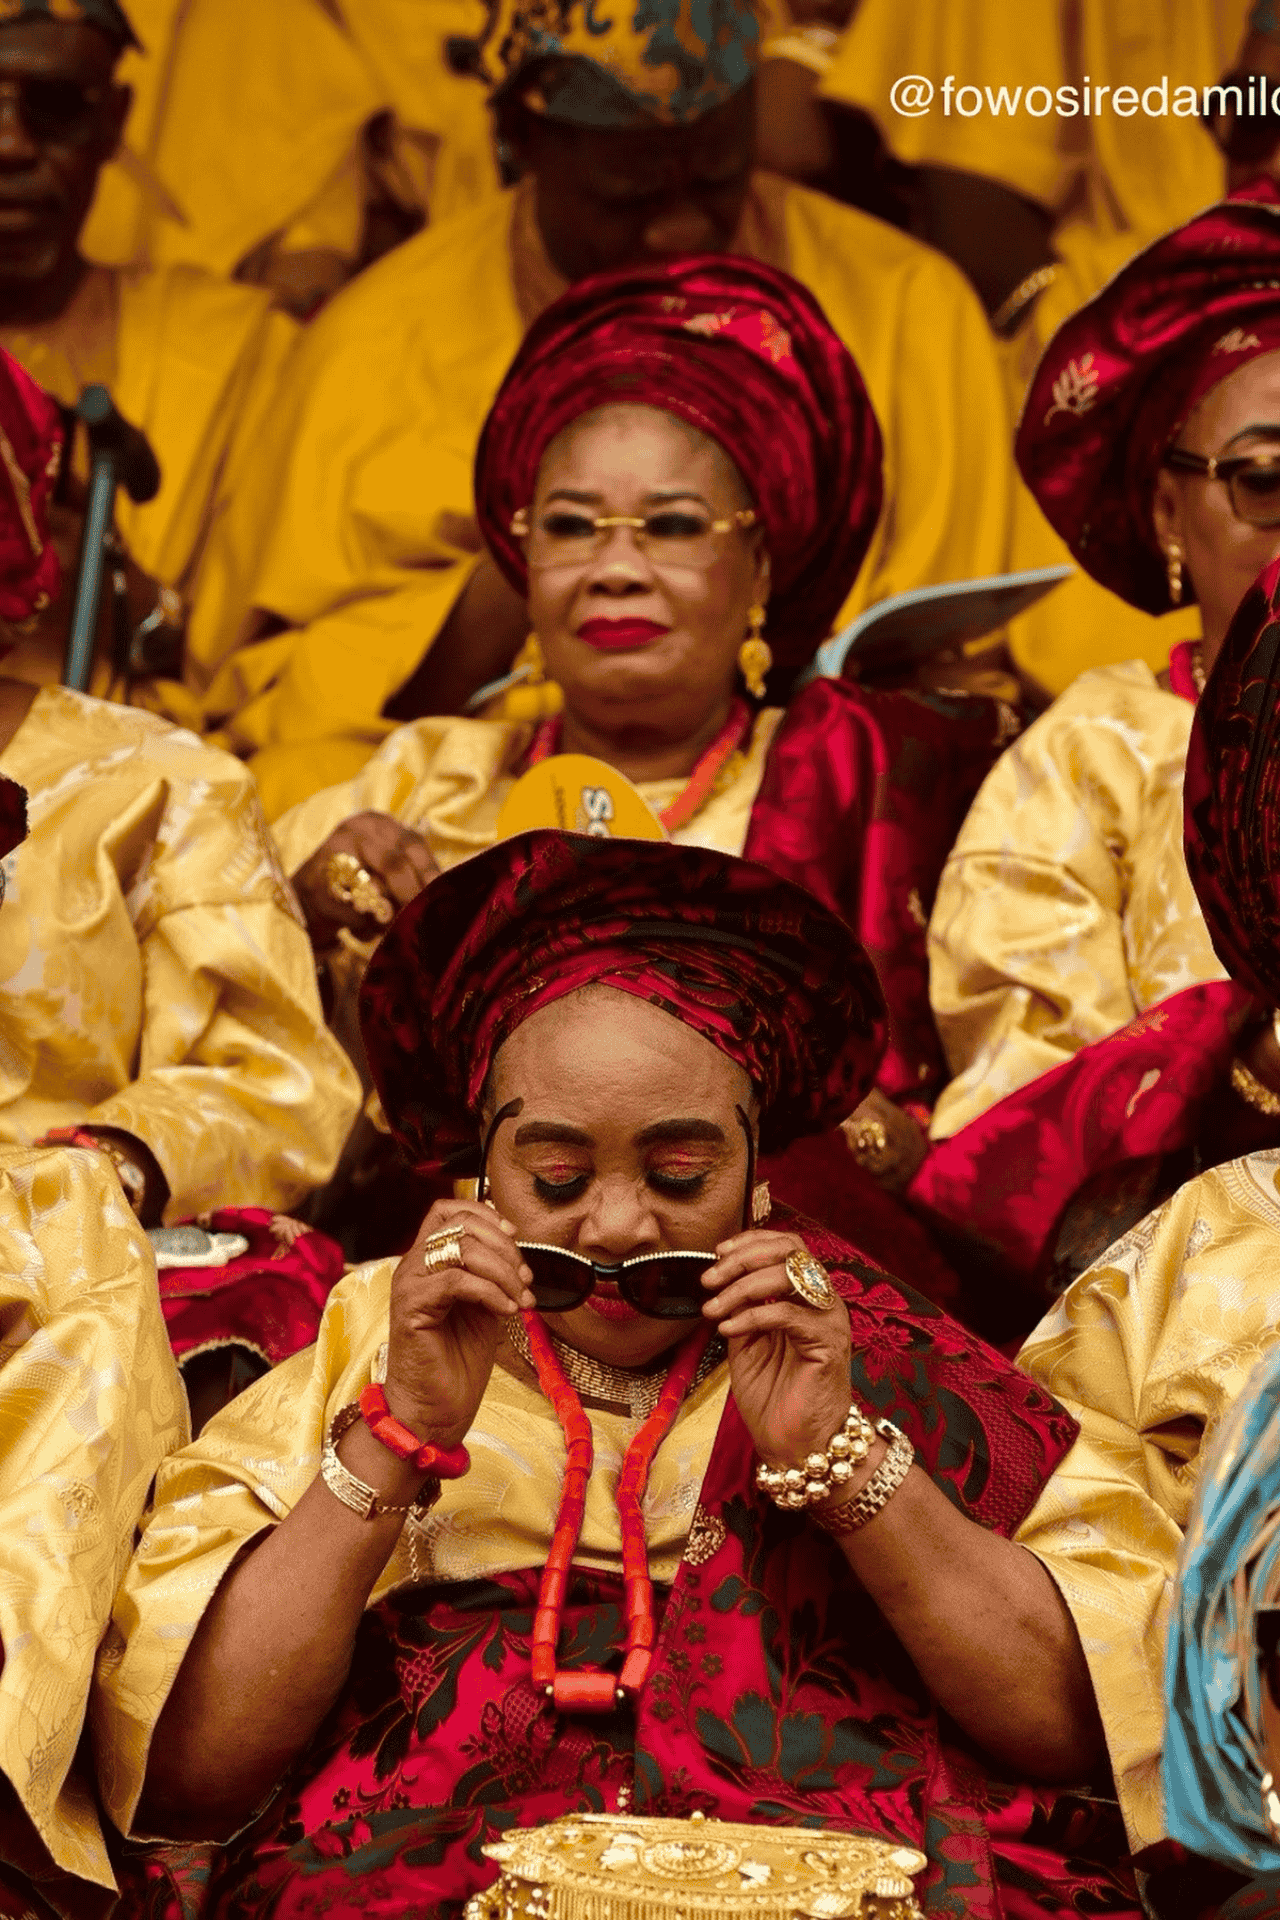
x=287 y=146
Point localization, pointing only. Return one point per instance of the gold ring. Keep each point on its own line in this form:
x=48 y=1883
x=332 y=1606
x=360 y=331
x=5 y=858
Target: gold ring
x=809 y=1281
x=354 y=886
x=869 y=1140
x=442 y=1250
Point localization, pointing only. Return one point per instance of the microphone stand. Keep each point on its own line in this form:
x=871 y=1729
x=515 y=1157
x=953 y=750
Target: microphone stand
x=120 y=456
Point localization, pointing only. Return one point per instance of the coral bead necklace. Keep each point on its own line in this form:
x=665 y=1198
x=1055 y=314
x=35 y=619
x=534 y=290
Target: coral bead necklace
x=714 y=767
x=593 y=1691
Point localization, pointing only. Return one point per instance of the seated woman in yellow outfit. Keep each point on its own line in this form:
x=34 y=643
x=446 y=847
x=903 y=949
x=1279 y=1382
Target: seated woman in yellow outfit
x=157 y=990
x=1086 y=1017
x=668 y=571
x=89 y=1404
x=382 y=1647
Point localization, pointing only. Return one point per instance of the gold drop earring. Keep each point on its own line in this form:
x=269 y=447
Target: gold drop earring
x=755 y=655
x=1173 y=571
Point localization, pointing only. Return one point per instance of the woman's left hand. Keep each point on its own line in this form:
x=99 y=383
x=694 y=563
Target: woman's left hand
x=788 y=1362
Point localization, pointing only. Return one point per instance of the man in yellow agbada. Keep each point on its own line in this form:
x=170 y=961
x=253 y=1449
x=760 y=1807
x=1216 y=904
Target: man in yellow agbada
x=368 y=600
x=1041 y=207
x=190 y=358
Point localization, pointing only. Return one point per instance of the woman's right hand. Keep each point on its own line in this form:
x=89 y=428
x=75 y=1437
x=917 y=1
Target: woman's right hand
x=446 y=1325
x=397 y=859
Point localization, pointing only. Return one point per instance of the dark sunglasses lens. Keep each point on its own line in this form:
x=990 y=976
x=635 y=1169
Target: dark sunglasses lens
x=58 y=110
x=668 y=1286
x=559 y=1281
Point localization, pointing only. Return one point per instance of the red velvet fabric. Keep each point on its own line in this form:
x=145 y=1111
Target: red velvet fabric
x=269 y=1299
x=1120 y=376
x=1232 y=794
x=30 y=449
x=743 y=353
x=778 y=1693
x=1005 y=1179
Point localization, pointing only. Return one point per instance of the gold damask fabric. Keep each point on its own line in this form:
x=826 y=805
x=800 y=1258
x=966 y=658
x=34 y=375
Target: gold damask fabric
x=154 y=971
x=1065 y=908
x=90 y=1403
x=253 y=1462
x=448 y=779
x=1148 y=1350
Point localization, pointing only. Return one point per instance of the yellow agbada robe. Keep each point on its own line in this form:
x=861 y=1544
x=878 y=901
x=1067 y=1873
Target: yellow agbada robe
x=356 y=525
x=154 y=972
x=1065 y=907
x=254 y=1461
x=1114 y=184
x=194 y=361
x=247 y=120
x=90 y=1404
x=1148 y=1350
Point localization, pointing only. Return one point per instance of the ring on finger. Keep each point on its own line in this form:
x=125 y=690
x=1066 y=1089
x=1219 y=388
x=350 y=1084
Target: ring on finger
x=809 y=1281
x=442 y=1250
x=354 y=886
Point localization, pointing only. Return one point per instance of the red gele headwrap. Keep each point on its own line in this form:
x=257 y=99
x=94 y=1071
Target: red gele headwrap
x=754 y=964
x=1232 y=794
x=1119 y=378
x=30 y=449
x=741 y=352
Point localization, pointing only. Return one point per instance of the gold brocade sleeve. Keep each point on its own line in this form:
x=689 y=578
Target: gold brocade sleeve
x=90 y=1403
x=1065 y=907
x=154 y=971
x=1147 y=1350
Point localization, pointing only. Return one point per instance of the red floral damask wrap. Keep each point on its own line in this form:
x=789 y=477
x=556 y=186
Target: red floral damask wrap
x=1232 y=794
x=743 y=353
x=30 y=450
x=1119 y=378
x=754 y=964
x=778 y=1694
x=268 y=1299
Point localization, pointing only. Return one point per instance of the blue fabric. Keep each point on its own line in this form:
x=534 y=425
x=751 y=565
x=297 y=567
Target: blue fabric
x=1214 y=1755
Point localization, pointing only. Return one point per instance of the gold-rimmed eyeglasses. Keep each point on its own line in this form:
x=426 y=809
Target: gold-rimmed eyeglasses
x=1252 y=480
x=671 y=536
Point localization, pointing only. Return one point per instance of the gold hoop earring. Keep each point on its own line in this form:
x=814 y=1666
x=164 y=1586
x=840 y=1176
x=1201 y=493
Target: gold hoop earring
x=755 y=655
x=761 y=1203
x=1173 y=572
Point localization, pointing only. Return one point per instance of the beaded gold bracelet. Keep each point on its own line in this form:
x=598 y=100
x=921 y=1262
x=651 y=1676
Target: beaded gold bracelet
x=822 y=1473
x=1252 y=1091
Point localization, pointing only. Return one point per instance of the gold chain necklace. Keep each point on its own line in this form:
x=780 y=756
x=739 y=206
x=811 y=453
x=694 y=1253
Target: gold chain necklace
x=625 y=1389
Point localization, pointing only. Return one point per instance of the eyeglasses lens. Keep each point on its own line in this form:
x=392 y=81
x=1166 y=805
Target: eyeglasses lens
x=666 y=1286
x=1255 y=493
x=562 y=538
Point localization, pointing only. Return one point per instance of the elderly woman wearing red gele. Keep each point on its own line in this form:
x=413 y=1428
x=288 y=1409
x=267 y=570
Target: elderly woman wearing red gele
x=445 y=1574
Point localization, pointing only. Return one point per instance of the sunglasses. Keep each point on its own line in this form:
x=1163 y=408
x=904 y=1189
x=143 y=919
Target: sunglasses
x=56 y=112
x=665 y=1285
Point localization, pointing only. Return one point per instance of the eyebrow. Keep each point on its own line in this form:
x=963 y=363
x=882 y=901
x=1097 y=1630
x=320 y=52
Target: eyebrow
x=1263 y=430
x=559 y=1133
x=662 y=495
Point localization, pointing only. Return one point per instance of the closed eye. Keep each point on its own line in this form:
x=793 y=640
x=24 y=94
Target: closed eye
x=560 y=1192
x=678 y=1185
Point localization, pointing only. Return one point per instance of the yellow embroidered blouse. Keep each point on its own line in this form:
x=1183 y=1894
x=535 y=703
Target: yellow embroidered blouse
x=154 y=974
x=253 y=1462
x=1148 y=1350
x=90 y=1403
x=1065 y=908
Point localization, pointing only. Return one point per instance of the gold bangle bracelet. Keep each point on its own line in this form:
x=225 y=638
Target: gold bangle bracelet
x=1252 y=1091
x=357 y=1494
x=883 y=1484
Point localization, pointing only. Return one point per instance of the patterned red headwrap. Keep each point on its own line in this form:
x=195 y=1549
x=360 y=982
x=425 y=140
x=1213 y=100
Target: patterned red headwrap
x=743 y=353
x=1232 y=794
x=1120 y=377
x=754 y=964
x=30 y=448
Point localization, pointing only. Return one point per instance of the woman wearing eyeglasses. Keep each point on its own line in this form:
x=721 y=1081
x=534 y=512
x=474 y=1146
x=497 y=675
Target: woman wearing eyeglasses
x=682 y=472
x=1087 y=1019
x=556 y=1515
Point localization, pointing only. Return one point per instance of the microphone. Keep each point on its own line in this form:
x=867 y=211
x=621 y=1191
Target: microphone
x=112 y=437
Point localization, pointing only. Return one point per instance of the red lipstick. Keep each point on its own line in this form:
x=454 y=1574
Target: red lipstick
x=605 y=1300
x=620 y=636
